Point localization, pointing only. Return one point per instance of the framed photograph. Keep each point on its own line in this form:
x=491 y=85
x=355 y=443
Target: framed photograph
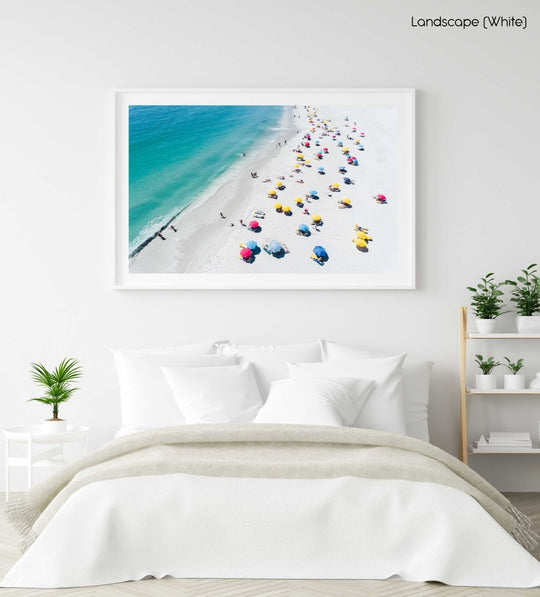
x=262 y=188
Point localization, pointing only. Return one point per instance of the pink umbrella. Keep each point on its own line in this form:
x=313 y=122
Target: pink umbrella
x=254 y=224
x=245 y=253
x=381 y=197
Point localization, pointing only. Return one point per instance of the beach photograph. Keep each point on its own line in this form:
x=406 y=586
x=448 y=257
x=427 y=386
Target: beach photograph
x=310 y=191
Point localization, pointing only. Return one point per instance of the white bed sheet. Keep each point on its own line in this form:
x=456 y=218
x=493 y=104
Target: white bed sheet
x=196 y=526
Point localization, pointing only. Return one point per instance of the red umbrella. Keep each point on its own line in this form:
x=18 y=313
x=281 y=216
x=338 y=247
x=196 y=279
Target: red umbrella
x=254 y=224
x=381 y=197
x=245 y=253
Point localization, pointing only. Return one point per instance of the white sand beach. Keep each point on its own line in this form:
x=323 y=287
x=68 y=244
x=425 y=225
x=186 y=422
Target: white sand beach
x=207 y=243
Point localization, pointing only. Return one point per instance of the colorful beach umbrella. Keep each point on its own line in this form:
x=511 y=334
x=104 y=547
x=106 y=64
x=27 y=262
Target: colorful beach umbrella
x=254 y=224
x=298 y=200
x=335 y=185
x=246 y=253
x=361 y=235
x=303 y=228
x=321 y=169
x=313 y=193
x=342 y=169
x=275 y=247
x=346 y=201
x=251 y=245
x=359 y=242
x=320 y=251
x=346 y=180
x=316 y=218
x=287 y=208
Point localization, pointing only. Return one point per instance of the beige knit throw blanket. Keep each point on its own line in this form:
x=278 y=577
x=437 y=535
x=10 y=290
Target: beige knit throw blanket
x=271 y=451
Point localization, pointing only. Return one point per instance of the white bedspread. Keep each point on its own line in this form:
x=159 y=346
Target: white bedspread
x=197 y=526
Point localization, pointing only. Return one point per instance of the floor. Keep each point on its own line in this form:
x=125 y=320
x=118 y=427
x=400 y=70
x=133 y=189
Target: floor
x=527 y=502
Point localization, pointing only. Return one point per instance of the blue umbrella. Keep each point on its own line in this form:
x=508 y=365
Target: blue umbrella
x=303 y=228
x=251 y=244
x=321 y=169
x=346 y=180
x=342 y=169
x=320 y=252
x=313 y=193
x=274 y=246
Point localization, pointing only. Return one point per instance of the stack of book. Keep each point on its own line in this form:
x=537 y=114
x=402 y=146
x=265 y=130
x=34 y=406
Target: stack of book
x=504 y=441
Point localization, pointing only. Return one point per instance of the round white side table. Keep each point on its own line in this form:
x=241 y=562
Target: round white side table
x=34 y=437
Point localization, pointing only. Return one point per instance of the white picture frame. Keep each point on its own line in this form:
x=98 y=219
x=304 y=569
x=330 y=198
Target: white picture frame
x=397 y=272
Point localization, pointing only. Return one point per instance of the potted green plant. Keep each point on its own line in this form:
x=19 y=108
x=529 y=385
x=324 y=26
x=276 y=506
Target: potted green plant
x=58 y=388
x=514 y=380
x=486 y=303
x=525 y=294
x=486 y=380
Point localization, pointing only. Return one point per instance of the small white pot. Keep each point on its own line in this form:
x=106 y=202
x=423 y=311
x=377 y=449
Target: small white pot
x=486 y=326
x=514 y=382
x=528 y=324
x=535 y=382
x=486 y=382
x=52 y=426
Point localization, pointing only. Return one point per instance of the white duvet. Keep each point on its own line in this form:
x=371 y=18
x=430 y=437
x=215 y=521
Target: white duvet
x=185 y=526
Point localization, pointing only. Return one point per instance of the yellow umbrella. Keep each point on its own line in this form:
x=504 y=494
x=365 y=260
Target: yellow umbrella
x=363 y=236
x=277 y=205
x=279 y=184
x=300 y=156
x=286 y=208
x=272 y=193
x=359 y=242
x=347 y=201
x=298 y=200
x=345 y=150
x=316 y=218
x=296 y=166
x=335 y=186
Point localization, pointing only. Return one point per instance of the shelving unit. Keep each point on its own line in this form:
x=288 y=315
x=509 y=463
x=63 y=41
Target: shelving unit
x=465 y=392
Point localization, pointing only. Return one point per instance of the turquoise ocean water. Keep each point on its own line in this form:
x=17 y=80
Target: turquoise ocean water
x=178 y=152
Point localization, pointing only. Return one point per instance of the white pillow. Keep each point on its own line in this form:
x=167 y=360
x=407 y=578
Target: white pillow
x=146 y=399
x=270 y=360
x=384 y=407
x=224 y=395
x=416 y=382
x=315 y=401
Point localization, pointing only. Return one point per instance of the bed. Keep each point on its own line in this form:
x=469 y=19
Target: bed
x=297 y=461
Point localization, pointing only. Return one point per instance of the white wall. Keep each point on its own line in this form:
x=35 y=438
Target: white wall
x=477 y=179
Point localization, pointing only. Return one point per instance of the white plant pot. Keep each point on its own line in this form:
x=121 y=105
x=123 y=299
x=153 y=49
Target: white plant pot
x=486 y=326
x=486 y=382
x=535 y=382
x=514 y=382
x=528 y=324
x=50 y=426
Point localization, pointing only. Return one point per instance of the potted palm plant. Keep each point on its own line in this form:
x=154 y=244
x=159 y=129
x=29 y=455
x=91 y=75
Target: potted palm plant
x=486 y=303
x=525 y=295
x=514 y=380
x=486 y=380
x=58 y=388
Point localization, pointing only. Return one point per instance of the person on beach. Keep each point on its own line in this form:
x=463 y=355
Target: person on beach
x=221 y=214
x=161 y=236
x=242 y=223
x=175 y=229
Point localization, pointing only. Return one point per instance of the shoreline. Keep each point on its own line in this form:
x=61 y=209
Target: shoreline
x=206 y=243
x=156 y=259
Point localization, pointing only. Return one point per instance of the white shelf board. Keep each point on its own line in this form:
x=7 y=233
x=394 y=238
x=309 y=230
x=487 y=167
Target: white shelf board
x=502 y=392
x=505 y=451
x=504 y=336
